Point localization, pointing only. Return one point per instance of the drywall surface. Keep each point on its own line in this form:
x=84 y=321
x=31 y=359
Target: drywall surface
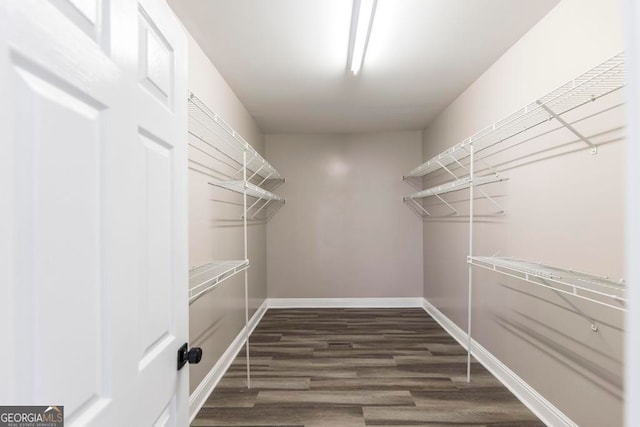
x=344 y=231
x=215 y=226
x=564 y=207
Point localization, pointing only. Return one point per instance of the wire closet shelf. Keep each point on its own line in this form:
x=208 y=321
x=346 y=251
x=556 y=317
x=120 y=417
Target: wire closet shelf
x=601 y=80
x=591 y=287
x=249 y=166
x=252 y=190
x=209 y=128
x=212 y=130
x=457 y=185
x=207 y=277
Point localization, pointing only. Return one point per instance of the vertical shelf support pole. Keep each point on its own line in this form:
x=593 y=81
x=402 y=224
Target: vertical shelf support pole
x=471 y=185
x=246 y=272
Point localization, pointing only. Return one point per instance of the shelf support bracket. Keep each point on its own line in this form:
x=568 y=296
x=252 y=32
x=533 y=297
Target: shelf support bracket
x=256 y=172
x=458 y=162
x=252 y=205
x=266 y=178
x=455 y=211
x=447 y=169
x=244 y=165
x=269 y=216
x=409 y=180
x=420 y=206
x=489 y=198
x=485 y=195
x=239 y=171
x=594 y=325
x=259 y=209
x=594 y=148
x=481 y=160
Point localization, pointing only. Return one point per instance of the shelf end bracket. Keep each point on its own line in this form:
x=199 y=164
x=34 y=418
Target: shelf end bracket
x=594 y=148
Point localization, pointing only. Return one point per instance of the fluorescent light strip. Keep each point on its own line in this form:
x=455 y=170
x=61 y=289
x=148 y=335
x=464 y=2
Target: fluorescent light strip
x=361 y=38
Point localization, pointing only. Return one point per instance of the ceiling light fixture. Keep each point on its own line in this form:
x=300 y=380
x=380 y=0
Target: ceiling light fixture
x=361 y=20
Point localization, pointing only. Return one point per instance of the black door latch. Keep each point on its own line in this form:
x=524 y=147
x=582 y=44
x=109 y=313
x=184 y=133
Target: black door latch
x=191 y=356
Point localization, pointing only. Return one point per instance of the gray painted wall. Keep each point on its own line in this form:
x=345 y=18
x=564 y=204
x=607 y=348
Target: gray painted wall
x=563 y=207
x=344 y=231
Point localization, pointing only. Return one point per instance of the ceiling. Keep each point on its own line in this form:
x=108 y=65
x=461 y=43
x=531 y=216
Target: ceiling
x=286 y=59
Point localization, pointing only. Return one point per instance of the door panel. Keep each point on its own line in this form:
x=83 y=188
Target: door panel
x=93 y=206
x=66 y=193
x=166 y=417
x=89 y=16
x=155 y=59
x=57 y=245
x=155 y=297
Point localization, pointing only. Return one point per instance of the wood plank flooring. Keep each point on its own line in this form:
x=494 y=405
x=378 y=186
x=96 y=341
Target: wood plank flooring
x=358 y=367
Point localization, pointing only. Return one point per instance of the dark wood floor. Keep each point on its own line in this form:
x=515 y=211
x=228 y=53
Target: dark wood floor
x=357 y=367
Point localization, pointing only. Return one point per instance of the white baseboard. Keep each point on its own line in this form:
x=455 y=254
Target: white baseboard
x=344 y=302
x=204 y=389
x=541 y=407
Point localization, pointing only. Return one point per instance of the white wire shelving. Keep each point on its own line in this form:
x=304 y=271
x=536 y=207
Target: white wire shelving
x=212 y=130
x=207 y=277
x=252 y=190
x=602 y=80
x=216 y=134
x=451 y=155
x=587 y=286
x=449 y=187
x=460 y=184
x=231 y=151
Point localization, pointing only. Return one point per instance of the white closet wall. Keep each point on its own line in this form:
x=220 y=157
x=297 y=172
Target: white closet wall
x=217 y=317
x=563 y=206
x=344 y=232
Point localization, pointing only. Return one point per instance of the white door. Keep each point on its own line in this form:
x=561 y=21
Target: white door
x=93 y=200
